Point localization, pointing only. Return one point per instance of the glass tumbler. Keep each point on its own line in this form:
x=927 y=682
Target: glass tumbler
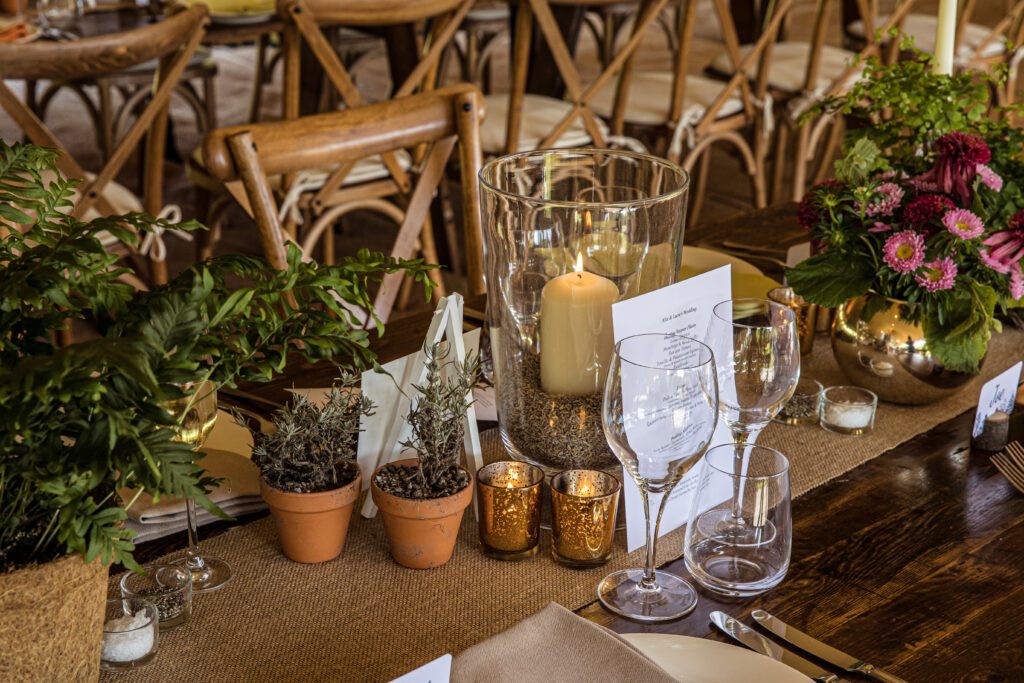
x=167 y=586
x=567 y=233
x=747 y=562
x=130 y=634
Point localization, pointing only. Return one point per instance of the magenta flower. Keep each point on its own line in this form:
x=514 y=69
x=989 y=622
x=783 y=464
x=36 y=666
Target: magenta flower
x=937 y=275
x=879 y=226
x=1006 y=250
x=990 y=178
x=904 y=251
x=892 y=195
x=1017 y=283
x=922 y=210
x=960 y=154
x=963 y=224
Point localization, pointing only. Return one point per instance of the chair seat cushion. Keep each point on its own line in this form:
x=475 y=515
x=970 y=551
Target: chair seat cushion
x=540 y=116
x=650 y=97
x=788 y=67
x=921 y=27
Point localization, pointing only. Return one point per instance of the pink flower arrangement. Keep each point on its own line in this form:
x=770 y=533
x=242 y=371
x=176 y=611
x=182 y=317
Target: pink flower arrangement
x=1006 y=247
x=892 y=195
x=904 y=251
x=937 y=275
x=963 y=223
x=1017 y=284
x=990 y=178
x=960 y=154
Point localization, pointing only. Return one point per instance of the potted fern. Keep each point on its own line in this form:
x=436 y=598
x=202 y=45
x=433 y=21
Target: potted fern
x=309 y=476
x=422 y=499
x=79 y=421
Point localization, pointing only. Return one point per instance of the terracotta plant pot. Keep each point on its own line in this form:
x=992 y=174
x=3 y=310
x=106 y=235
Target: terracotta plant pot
x=421 y=533
x=312 y=526
x=51 y=621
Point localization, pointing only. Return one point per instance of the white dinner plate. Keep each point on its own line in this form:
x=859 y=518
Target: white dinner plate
x=696 y=660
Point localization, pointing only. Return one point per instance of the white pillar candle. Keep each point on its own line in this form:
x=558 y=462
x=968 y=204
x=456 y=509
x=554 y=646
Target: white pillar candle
x=945 y=37
x=576 y=332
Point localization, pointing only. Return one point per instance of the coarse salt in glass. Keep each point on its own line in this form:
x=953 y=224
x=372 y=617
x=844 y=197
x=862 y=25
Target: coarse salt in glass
x=848 y=410
x=130 y=633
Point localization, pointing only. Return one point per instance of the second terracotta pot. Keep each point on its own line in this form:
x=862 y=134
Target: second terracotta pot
x=312 y=526
x=421 y=533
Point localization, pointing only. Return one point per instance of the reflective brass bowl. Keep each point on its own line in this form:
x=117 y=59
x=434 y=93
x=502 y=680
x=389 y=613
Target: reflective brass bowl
x=879 y=348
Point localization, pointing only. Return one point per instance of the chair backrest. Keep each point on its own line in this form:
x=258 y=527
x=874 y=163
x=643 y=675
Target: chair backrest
x=437 y=121
x=539 y=13
x=172 y=41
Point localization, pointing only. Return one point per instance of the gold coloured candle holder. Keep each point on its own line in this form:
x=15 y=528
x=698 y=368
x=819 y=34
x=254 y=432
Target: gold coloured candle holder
x=806 y=315
x=508 y=494
x=583 y=508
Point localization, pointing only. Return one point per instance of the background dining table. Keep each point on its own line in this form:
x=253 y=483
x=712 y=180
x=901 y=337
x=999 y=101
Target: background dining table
x=912 y=560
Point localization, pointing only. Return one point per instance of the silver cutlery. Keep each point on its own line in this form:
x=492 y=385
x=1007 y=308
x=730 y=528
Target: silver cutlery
x=758 y=643
x=820 y=650
x=1011 y=464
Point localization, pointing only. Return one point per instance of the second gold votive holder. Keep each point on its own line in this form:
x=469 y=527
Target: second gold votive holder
x=806 y=315
x=508 y=495
x=583 y=508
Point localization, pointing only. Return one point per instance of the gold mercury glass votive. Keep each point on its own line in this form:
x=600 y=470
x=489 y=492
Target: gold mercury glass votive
x=583 y=507
x=508 y=494
x=806 y=315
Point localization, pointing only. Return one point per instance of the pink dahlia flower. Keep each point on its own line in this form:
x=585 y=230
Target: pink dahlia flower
x=963 y=223
x=891 y=196
x=937 y=275
x=960 y=154
x=904 y=251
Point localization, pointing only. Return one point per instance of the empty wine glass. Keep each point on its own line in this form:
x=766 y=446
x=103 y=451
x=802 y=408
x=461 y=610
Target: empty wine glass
x=659 y=414
x=195 y=416
x=757 y=355
x=719 y=561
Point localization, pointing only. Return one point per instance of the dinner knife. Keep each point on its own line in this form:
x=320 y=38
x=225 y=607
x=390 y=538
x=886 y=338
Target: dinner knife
x=821 y=650
x=758 y=643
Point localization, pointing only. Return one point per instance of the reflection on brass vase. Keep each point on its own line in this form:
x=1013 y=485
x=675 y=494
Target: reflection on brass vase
x=880 y=346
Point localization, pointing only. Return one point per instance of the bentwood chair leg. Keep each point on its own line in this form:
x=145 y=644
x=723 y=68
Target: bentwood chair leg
x=779 y=160
x=257 y=81
x=329 y=245
x=800 y=161
x=429 y=250
x=835 y=137
x=699 y=188
x=106 y=117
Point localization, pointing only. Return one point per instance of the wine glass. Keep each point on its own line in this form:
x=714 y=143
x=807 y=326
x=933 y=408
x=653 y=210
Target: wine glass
x=195 y=415
x=757 y=355
x=659 y=415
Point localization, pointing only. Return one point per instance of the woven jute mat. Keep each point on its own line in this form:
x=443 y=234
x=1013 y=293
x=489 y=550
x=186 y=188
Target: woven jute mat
x=362 y=617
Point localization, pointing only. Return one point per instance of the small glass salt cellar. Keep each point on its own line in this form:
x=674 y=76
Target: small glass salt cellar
x=130 y=634
x=848 y=410
x=167 y=586
x=804 y=407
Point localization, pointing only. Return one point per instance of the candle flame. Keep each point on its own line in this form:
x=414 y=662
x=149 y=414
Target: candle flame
x=578 y=267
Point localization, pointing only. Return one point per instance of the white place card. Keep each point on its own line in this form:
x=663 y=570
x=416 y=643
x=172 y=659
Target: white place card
x=685 y=309
x=437 y=671
x=997 y=394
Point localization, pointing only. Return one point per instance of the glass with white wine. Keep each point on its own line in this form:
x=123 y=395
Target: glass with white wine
x=195 y=416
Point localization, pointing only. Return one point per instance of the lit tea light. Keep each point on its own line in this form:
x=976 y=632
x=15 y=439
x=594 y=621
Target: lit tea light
x=583 y=508
x=508 y=495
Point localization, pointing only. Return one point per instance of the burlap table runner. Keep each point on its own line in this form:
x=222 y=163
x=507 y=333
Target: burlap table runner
x=364 y=618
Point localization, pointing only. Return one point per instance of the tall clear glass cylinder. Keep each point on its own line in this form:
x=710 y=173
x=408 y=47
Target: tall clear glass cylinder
x=567 y=233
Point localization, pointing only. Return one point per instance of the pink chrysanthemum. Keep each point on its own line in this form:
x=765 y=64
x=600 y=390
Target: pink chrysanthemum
x=923 y=210
x=937 y=275
x=1017 y=283
x=1006 y=247
x=891 y=196
x=904 y=251
x=963 y=223
x=990 y=178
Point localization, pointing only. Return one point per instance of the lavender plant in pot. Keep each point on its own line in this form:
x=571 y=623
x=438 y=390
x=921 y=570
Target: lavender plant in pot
x=309 y=475
x=422 y=499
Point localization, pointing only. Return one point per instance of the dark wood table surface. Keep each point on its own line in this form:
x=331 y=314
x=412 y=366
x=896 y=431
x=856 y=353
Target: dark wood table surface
x=913 y=561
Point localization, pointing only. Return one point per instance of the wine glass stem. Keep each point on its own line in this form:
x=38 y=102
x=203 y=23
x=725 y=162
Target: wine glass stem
x=741 y=434
x=193 y=559
x=649 y=582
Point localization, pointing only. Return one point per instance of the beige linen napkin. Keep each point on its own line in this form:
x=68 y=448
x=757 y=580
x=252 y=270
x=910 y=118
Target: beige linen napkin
x=555 y=645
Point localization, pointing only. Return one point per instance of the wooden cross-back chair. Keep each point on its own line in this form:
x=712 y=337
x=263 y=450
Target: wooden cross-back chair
x=172 y=41
x=518 y=121
x=802 y=73
x=687 y=114
x=436 y=121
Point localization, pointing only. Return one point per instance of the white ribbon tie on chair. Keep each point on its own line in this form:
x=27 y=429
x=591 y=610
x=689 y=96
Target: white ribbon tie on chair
x=153 y=243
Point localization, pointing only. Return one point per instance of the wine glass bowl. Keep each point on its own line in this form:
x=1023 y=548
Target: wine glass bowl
x=659 y=414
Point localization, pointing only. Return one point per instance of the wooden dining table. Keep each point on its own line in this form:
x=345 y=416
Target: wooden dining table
x=913 y=561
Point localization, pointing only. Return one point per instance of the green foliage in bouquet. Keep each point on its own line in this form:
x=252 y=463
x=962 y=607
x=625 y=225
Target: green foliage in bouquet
x=927 y=207
x=79 y=421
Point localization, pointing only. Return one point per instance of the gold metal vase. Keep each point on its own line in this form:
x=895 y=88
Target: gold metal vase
x=879 y=347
